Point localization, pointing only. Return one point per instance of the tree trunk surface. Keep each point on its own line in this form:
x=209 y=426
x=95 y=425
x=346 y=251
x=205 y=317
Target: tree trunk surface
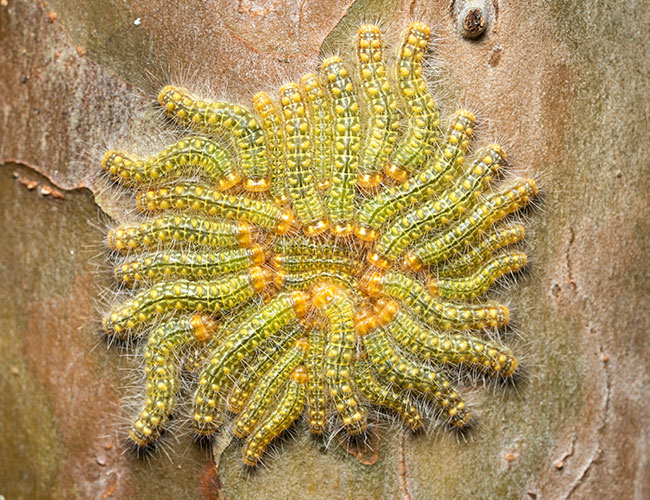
x=564 y=83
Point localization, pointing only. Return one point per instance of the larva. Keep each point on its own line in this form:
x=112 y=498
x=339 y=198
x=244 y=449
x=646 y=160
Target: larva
x=339 y=349
x=320 y=116
x=200 y=198
x=272 y=124
x=383 y=120
x=432 y=310
x=225 y=361
x=316 y=395
x=477 y=283
x=494 y=207
x=307 y=247
x=346 y=128
x=261 y=361
x=162 y=371
x=423 y=119
x=166 y=229
x=384 y=394
x=322 y=260
x=212 y=117
x=299 y=178
x=182 y=295
x=492 y=241
x=377 y=210
x=304 y=280
x=396 y=369
x=161 y=266
x=443 y=347
x=282 y=415
x=454 y=203
x=267 y=387
x=191 y=155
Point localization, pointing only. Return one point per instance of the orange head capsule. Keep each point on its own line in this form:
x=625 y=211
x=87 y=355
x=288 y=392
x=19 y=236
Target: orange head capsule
x=299 y=373
x=386 y=310
x=203 y=327
x=377 y=259
x=286 y=219
x=227 y=181
x=260 y=277
x=412 y=262
x=258 y=254
x=257 y=185
x=323 y=185
x=369 y=181
x=323 y=293
x=364 y=322
x=372 y=282
x=342 y=230
x=394 y=172
x=278 y=278
x=316 y=228
x=300 y=303
x=244 y=234
x=366 y=234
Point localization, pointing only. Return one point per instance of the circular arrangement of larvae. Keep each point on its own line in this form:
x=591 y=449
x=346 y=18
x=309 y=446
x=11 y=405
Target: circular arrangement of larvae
x=327 y=261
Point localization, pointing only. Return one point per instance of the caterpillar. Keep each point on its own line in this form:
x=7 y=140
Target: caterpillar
x=338 y=235
x=195 y=154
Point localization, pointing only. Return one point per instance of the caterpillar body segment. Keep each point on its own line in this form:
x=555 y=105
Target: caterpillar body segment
x=272 y=124
x=199 y=198
x=493 y=208
x=444 y=348
x=166 y=297
x=213 y=117
x=381 y=393
x=163 y=370
x=419 y=139
x=169 y=229
x=299 y=178
x=383 y=120
x=267 y=388
x=394 y=368
x=422 y=186
x=195 y=155
x=432 y=310
x=306 y=279
x=282 y=415
x=452 y=204
x=477 y=283
x=339 y=350
x=320 y=116
x=261 y=361
x=166 y=265
x=346 y=140
x=225 y=362
x=492 y=241
x=320 y=260
x=316 y=392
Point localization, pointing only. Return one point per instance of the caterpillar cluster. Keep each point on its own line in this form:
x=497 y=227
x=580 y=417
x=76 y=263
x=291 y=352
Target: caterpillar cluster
x=358 y=217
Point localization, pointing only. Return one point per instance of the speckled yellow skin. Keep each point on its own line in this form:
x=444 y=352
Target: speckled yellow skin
x=199 y=154
x=321 y=313
x=383 y=116
x=170 y=229
x=423 y=118
x=212 y=117
x=163 y=372
x=267 y=387
x=383 y=393
x=408 y=375
x=279 y=418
